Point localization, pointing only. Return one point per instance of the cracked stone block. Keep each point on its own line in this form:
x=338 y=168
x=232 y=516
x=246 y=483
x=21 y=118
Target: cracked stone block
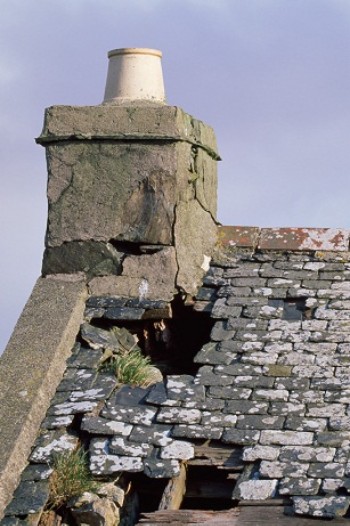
x=51 y=443
x=327 y=507
x=256 y=489
x=157 y=434
x=111 y=199
x=120 y=446
x=30 y=497
x=299 y=486
x=179 y=450
x=161 y=468
x=151 y=275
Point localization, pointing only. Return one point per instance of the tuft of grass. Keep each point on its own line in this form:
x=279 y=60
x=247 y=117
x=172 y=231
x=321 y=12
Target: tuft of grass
x=134 y=368
x=71 y=477
x=125 y=359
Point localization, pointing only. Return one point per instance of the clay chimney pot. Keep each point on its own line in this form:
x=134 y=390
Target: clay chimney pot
x=134 y=75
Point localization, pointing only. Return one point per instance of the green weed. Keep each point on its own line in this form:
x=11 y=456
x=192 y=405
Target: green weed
x=70 y=478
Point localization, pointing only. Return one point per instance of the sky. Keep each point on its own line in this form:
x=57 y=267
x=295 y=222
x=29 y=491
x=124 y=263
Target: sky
x=271 y=76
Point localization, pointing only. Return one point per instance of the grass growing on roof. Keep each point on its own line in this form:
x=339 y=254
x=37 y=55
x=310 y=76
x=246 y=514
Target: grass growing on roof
x=127 y=362
x=70 y=478
x=134 y=368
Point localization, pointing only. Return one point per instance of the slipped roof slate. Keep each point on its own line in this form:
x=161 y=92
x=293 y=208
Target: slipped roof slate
x=275 y=390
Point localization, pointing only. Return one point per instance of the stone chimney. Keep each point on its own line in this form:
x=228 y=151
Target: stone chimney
x=132 y=186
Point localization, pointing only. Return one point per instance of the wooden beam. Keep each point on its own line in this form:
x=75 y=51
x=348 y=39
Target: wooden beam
x=248 y=516
x=275 y=515
x=189 y=517
x=174 y=491
x=220 y=456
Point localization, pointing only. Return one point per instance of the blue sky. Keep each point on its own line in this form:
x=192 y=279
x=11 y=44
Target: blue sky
x=271 y=76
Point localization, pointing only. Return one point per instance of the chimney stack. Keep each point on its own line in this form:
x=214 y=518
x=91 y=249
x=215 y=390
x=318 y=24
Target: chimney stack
x=131 y=188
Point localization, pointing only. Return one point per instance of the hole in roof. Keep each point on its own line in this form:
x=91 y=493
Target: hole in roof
x=208 y=488
x=171 y=343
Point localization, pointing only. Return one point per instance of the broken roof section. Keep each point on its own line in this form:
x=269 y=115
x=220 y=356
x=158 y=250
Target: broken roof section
x=269 y=403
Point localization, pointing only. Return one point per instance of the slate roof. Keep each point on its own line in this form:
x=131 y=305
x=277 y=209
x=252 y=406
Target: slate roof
x=273 y=382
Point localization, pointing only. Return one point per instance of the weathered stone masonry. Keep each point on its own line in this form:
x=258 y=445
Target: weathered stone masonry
x=130 y=179
x=132 y=242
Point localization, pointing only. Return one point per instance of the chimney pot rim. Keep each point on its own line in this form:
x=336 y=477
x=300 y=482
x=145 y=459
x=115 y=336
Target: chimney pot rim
x=134 y=51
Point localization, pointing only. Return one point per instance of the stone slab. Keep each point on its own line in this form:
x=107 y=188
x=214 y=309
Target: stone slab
x=238 y=236
x=97 y=192
x=335 y=239
x=150 y=276
x=126 y=122
x=195 y=236
x=31 y=368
